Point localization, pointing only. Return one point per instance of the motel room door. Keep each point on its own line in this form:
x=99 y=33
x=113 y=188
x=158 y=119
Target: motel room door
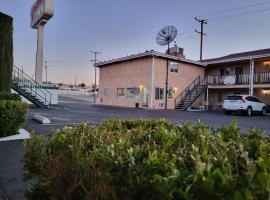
x=145 y=97
x=239 y=75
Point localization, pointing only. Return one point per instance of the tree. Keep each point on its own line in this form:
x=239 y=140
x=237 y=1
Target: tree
x=6 y=52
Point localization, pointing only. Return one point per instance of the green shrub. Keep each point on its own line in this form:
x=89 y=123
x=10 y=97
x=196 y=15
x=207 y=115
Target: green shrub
x=13 y=115
x=147 y=159
x=6 y=52
x=10 y=96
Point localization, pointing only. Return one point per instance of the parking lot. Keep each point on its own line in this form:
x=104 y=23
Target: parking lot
x=75 y=111
x=78 y=110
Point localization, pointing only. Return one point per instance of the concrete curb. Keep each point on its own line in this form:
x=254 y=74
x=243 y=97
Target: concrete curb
x=41 y=119
x=23 y=134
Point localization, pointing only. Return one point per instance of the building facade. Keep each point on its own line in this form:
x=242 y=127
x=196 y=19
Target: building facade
x=140 y=80
x=242 y=73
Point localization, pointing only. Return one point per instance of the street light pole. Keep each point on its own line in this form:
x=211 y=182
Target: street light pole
x=95 y=61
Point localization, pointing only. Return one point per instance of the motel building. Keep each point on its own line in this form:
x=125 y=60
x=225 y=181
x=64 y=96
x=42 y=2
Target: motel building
x=140 y=80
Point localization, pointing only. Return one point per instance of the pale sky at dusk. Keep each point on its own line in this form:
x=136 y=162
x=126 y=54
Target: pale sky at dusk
x=123 y=27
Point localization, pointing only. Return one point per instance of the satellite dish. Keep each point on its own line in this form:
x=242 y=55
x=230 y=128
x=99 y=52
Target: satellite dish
x=166 y=35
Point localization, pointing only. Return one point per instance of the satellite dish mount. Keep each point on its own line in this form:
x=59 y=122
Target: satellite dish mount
x=164 y=37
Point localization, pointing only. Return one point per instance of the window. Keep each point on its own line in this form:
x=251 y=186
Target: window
x=120 y=92
x=133 y=92
x=174 y=67
x=254 y=99
x=106 y=91
x=159 y=93
x=224 y=71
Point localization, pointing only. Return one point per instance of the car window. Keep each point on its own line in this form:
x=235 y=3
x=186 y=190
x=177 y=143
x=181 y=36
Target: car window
x=249 y=98
x=256 y=100
x=233 y=97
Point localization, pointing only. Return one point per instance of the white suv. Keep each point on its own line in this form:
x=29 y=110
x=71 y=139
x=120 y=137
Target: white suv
x=244 y=103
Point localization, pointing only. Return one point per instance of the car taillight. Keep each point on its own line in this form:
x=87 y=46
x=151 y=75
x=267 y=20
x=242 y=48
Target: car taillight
x=243 y=100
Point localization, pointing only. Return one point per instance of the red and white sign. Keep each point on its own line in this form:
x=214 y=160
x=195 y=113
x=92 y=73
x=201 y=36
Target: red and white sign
x=42 y=10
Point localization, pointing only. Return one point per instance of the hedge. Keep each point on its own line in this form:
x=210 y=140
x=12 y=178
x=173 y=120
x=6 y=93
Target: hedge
x=10 y=96
x=6 y=52
x=13 y=115
x=148 y=159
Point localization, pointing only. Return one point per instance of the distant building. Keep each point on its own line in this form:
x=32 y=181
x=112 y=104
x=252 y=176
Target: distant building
x=140 y=79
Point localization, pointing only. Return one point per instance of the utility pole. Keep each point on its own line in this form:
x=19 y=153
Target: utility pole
x=95 y=61
x=202 y=22
x=46 y=69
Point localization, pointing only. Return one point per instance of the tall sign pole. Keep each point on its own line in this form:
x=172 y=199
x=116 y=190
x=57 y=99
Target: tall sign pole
x=41 y=12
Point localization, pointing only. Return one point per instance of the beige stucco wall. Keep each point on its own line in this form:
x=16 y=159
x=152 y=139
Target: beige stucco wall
x=124 y=75
x=186 y=74
x=149 y=73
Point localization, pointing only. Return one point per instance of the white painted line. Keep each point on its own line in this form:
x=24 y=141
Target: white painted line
x=23 y=134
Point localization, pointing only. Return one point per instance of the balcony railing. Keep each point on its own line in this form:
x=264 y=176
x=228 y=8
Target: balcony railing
x=239 y=79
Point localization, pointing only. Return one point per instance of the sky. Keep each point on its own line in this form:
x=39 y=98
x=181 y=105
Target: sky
x=123 y=27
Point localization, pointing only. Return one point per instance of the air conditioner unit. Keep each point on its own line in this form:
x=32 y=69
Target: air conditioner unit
x=229 y=80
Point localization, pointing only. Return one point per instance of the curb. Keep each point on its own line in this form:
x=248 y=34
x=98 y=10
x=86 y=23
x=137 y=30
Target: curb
x=23 y=134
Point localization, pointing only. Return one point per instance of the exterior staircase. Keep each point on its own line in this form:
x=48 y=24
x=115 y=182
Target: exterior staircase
x=30 y=89
x=190 y=94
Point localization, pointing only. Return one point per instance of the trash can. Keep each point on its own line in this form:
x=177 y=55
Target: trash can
x=136 y=105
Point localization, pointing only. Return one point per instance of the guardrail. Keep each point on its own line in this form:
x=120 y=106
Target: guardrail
x=238 y=79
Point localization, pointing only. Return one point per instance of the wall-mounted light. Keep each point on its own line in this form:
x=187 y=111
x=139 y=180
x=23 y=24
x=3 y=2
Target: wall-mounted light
x=266 y=63
x=266 y=91
x=141 y=87
x=175 y=89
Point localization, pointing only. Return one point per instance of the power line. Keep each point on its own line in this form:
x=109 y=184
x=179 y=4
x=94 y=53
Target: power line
x=202 y=22
x=235 y=9
x=242 y=14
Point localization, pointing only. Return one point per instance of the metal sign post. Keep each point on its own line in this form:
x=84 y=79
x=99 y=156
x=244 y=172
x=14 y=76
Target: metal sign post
x=41 y=12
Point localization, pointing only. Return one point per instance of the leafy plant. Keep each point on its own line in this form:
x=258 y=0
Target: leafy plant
x=146 y=159
x=10 y=96
x=13 y=115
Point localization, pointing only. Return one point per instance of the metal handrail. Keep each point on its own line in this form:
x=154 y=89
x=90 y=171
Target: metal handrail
x=187 y=89
x=28 y=82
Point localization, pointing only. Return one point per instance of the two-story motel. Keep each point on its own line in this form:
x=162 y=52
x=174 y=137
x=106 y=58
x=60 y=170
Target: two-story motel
x=139 y=80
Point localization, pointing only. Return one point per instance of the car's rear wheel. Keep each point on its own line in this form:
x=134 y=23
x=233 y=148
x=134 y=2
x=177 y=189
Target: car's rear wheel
x=263 y=111
x=249 y=111
x=227 y=112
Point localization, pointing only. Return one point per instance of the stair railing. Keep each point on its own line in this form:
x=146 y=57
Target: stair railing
x=29 y=85
x=183 y=94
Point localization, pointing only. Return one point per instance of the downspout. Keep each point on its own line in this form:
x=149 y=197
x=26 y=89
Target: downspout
x=152 y=83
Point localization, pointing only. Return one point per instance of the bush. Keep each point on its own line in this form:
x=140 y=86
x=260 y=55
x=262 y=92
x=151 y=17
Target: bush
x=10 y=96
x=147 y=159
x=13 y=115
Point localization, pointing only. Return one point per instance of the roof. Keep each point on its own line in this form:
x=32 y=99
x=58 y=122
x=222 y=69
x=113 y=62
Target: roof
x=262 y=53
x=149 y=54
